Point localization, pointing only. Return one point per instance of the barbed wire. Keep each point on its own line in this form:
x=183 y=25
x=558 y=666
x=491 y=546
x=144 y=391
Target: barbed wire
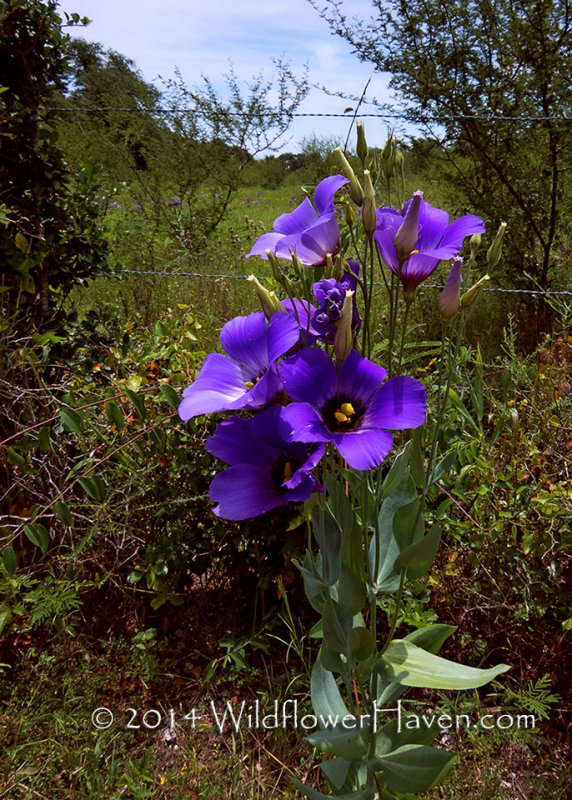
x=389 y=115
x=217 y=275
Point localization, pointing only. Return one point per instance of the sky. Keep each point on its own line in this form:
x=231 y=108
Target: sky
x=200 y=37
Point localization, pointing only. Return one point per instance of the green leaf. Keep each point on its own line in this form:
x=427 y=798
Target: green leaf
x=15 y=458
x=414 y=767
x=431 y=637
x=383 y=549
x=44 y=439
x=9 y=559
x=329 y=538
x=408 y=524
x=410 y=665
x=360 y=643
x=326 y=698
x=138 y=400
x=93 y=486
x=38 y=535
x=5 y=617
x=71 y=420
x=345 y=742
x=336 y=623
x=114 y=415
x=336 y=771
x=170 y=396
x=442 y=468
x=397 y=473
x=418 y=558
x=63 y=513
x=314 y=794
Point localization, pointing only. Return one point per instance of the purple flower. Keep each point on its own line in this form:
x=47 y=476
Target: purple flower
x=450 y=299
x=137 y=207
x=330 y=296
x=175 y=202
x=311 y=233
x=249 y=378
x=353 y=409
x=267 y=469
x=427 y=237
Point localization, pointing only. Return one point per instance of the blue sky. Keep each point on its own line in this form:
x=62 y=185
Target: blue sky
x=200 y=36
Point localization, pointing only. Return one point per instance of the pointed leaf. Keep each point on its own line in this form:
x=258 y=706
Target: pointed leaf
x=414 y=767
x=9 y=559
x=326 y=697
x=418 y=558
x=431 y=637
x=314 y=794
x=63 y=513
x=410 y=665
x=38 y=535
x=170 y=396
x=71 y=420
x=397 y=473
x=93 y=486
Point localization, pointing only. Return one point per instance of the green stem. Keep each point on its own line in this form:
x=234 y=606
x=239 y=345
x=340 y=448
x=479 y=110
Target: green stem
x=408 y=303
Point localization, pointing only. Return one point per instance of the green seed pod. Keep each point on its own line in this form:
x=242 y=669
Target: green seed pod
x=495 y=250
x=368 y=214
x=361 y=146
x=268 y=300
x=471 y=296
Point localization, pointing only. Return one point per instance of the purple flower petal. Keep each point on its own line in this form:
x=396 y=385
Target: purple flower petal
x=325 y=191
x=227 y=443
x=400 y=403
x=364 y=449
x=267 y=241
x=244 y=339
x=360 y=378
x=306 y=423
x=312 y=245
x=245 y=491
x=432 y=223
x=309 y=375
x=298 y=220
x=282 y=333
x=219 y=386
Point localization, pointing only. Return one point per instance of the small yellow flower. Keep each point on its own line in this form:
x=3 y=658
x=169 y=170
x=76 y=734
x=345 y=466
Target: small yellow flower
x=163 y=779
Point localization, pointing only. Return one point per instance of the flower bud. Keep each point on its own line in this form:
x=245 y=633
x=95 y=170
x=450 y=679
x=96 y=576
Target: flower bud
x=471 y=296
x=474 y=244
x=338 y=268
x=368 y=212
x=344 y=339
x=274 y=266
x=408 y=232
x=450 y=299
x=348 y=215
x=361 y=146
x=298 y=266
x=495 y=250
x=268 y=300
x=355 y=190
x=329 y=271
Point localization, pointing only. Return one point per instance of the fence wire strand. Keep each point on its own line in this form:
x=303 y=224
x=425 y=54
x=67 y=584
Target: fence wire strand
x=218 y=276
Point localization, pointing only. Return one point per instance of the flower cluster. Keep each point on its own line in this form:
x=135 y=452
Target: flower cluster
x=279 y=368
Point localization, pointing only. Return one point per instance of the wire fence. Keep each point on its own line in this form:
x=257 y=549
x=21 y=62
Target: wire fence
x=412 y=116
x=218 y=276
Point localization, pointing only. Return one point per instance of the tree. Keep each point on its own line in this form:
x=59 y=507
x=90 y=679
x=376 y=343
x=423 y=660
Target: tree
x=50 y=234
x=490 y=80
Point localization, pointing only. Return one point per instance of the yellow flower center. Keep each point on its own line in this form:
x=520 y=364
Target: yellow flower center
x=344 y=413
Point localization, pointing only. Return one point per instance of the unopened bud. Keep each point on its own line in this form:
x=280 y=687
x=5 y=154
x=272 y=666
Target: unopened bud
x=344 y=339
x=408 y=232
x=471 y=296
x=450 y=299
x=268 y=300
x=474 y=244
x=338 y=268
x=354 y=187
x=368 y=211
x=361 y=146
x=329 y=271
x=298 y=266
x=348 y=215
x=495 y=250
x=277 y=273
